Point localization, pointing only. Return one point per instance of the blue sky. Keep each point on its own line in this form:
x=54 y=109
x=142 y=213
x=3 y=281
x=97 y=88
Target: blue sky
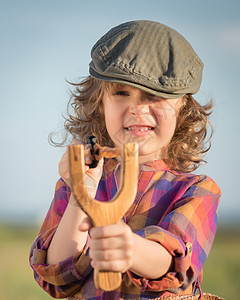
x=43 y=43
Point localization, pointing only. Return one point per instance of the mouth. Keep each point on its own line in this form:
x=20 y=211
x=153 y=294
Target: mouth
x=139 y=130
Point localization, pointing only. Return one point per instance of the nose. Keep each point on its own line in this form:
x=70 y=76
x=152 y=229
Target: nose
x=139 y=110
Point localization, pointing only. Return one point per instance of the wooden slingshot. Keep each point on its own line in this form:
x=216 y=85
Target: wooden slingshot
x=105 y=213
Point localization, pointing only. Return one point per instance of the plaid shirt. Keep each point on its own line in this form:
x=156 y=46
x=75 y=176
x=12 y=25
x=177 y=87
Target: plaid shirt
x=175 y=209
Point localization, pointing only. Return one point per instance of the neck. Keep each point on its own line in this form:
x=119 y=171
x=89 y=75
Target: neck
x=142 y=159
x=157 y=155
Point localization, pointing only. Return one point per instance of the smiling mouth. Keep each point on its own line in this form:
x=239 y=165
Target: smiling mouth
x=138 y=130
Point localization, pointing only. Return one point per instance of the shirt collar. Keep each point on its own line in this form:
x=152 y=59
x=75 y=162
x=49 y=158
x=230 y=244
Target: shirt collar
x=155 y=165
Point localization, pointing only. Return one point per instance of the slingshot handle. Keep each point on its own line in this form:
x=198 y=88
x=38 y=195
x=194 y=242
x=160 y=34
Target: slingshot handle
x=107 y=280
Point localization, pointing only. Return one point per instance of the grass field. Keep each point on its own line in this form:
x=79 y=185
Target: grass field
x=221 y=272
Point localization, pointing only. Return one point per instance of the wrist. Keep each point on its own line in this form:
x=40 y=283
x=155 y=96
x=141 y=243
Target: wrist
x=73 y=201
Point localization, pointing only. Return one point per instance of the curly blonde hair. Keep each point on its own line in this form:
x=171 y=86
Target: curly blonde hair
x=187 y=147
x=191 y=139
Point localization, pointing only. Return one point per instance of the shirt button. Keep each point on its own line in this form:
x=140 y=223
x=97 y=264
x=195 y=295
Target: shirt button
x=190 y=248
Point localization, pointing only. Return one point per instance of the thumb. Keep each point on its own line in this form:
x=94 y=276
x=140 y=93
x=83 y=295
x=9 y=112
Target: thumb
x=85 y=225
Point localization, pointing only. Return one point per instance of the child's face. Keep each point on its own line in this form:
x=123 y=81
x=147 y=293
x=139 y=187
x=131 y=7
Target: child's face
x=132 y=115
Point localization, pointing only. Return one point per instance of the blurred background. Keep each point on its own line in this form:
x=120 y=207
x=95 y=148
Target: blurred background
x=43 y=44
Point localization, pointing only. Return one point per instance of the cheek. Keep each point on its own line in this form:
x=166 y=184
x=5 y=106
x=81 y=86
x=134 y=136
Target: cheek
x=112 y=115
x=166 y=117
x=114 y=121
x=166 y=121
x=166 y=110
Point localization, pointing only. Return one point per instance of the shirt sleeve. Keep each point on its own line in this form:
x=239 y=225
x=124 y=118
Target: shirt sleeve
x=65 y=278
x=187 y=232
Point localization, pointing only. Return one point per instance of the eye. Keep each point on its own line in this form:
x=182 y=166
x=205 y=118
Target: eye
x=154 y=98
x=122 y=93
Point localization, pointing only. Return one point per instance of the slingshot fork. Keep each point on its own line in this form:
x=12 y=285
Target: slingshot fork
x=105 y=213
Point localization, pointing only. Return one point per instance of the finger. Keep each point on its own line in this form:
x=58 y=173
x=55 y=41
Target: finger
x=87 y=147
x=106 y=243
x=111 y=254
x=87 y=154
x=114 y=265
x=109 y=230
x=95 y=173
x=88 y=159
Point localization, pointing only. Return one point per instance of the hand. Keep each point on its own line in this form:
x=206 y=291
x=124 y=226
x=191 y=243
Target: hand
x=92 y=175
x=111 y=247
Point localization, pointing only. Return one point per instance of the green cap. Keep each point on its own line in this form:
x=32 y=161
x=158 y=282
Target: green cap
x=150 y=56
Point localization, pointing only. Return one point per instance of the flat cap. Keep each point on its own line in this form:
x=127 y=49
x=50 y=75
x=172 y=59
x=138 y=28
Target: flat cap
x=147 y=55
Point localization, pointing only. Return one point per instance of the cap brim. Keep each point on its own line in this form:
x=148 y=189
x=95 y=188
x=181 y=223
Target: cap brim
x=136 y=85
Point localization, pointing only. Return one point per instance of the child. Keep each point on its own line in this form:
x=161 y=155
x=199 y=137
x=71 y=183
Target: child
x=142 y=77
